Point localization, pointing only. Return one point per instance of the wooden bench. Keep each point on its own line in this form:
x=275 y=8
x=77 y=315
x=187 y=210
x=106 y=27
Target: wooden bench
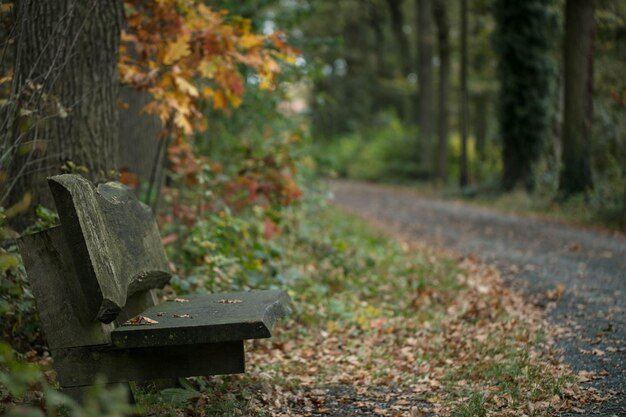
x=94 y=279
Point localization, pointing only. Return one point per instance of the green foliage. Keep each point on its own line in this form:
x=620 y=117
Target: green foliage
x=524 y=40
x=608 y=144
x=25 y=391
x=18 y=319
x=475 y=407
x=224 y=252
x=385 y=151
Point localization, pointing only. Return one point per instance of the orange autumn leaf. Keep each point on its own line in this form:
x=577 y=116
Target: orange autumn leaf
x=177 y=50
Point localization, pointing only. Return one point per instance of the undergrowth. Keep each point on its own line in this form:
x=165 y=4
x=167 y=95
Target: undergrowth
x=369 y=311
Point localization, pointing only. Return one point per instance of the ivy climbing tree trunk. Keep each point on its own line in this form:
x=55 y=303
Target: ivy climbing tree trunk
x=524 y=39
x=425 y=81
x=578 y=112
x=65 y=85
x=443 y=36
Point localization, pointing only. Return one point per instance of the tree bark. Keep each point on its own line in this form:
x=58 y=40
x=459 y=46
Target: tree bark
x=578 y=112
x=403 y=52
x=65 y=80
x=397 y=26
x=463 y=170
x=481 y=112
x=425 y=81
x=139 y=136
x=443 y=35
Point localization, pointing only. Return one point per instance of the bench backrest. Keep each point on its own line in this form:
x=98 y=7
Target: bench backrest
x=114 y=242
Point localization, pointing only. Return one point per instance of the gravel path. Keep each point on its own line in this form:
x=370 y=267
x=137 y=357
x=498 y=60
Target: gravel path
x=540 y=258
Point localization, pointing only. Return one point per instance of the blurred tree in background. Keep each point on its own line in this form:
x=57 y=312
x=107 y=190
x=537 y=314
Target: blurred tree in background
x=374 y=102
x=378 y=90
x=526 y=34
x=578 y=97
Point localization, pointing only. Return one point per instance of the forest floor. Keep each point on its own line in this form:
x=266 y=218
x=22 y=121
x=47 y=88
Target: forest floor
x=577 y=277
x=406 y=305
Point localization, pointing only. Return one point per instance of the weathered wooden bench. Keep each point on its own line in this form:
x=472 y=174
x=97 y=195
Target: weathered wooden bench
x=94 y=279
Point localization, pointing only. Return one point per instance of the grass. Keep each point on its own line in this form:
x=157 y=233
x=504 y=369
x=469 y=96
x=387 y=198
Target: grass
x=372 y=312
x=596 y=210
x=475 y=407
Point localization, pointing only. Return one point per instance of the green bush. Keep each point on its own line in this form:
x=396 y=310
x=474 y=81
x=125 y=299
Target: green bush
x=25 y=391
x=387 y=150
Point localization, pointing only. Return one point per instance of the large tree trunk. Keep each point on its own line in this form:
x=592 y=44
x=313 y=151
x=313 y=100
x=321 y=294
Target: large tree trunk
x=524 y=40
x=425 y=81
x=578 y=79
x=66 y=84
x=463 y=170
x=443 y=35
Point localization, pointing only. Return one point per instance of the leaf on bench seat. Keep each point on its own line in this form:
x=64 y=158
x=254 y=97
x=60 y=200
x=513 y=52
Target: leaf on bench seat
x=227 y=301
x=140 y=321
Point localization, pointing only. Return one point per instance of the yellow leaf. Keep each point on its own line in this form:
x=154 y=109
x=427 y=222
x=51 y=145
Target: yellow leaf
x=291 y=60
x=177 y=50
x=181 y=121
x=19 y=207
x=186 y=87
x=208 y=68
x=207 y=92
x=219 y=101
x=235 y=100
x=250 y=40
x=8 y=261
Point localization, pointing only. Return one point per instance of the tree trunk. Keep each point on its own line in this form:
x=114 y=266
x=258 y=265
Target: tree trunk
x=480 y=115
x=425 y=81
x=139 y=136
x=463 y=170
x=443 y=35
x=403 y=52
x=66 y=84
x=397 y=26
x=578 y=79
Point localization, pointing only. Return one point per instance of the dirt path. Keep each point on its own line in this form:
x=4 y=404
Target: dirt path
x=579 y=276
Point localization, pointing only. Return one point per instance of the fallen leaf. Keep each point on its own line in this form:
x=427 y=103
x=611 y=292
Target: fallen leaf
x=139 y=321
x=229 y=301
x=182 y=316
x=556 y=293
x=574 y=247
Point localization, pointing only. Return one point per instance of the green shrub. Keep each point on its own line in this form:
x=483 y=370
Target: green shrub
x=387 y=150
x=25 y=391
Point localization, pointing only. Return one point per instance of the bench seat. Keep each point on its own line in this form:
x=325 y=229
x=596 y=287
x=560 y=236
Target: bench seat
x=206 y=318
